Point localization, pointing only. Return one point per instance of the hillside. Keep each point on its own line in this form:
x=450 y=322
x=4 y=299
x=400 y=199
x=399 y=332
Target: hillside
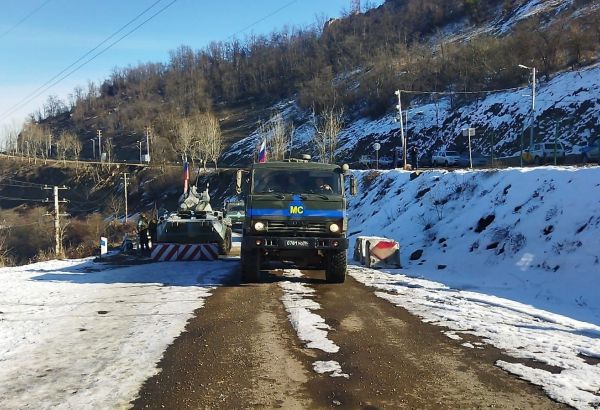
x=497 y=230
x=354 y=63
x=568 y=107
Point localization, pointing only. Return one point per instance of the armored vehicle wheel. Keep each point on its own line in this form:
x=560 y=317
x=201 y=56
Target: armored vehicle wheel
x=335 y=267
x=250 y=265
x=225 y=246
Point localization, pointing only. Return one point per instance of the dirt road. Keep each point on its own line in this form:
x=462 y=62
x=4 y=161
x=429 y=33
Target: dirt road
x=241 y=351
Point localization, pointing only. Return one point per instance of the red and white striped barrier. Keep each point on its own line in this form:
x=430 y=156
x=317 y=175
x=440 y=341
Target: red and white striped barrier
x=383 y=253
x=360 y=248
x=170 y=252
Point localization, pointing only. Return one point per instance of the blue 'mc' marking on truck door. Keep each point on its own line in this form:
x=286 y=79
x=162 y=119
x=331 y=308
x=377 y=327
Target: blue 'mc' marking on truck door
x=297 y=209
x=324 y=213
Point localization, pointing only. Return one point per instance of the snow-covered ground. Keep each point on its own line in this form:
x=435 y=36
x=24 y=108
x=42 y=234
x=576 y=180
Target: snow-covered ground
x=567 y=105
x=78 y=334
x=510 y=255
x=518 y=329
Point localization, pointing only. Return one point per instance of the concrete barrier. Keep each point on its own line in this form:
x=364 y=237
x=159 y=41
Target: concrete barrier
x=382 y=253
x=360 y=248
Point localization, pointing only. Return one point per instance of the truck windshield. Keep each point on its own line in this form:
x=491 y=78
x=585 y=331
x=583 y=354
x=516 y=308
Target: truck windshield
x=235 y=208
x=296 y=182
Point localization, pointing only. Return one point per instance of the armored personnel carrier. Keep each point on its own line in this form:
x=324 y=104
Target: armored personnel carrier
x=195 y=222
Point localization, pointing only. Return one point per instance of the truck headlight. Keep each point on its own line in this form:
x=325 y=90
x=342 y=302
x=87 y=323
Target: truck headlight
x=334 y=228
x=259 y=226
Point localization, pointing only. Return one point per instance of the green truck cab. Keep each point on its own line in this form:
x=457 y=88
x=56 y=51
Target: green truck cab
x=296 y=215
x=236 y=212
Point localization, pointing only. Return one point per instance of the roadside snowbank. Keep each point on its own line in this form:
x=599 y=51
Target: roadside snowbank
x=530 y=235
x=75 y=333
x=552 y=351
x=511 y=256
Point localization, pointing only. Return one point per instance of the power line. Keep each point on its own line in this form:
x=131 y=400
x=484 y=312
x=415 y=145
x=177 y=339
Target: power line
x=9 y=198
x=285 y=6
x=51 y=83
x=25 y=184
x=27 y=16
x=463 y=92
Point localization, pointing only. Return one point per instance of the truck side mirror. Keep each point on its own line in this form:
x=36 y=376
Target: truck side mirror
x=353 y=185
x=238 y=181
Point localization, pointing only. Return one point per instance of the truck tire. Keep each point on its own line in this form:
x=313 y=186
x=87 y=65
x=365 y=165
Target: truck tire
x=335 y=267
x=250 y=265
x=225 y=246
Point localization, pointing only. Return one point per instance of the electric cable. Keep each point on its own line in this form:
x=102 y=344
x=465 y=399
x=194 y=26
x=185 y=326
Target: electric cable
x=51 y=83
x=27 y=16
x=285 y=6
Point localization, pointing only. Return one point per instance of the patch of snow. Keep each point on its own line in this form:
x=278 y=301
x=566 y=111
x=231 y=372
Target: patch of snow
x=310 y=327
x=330 y=366
x=78 y=334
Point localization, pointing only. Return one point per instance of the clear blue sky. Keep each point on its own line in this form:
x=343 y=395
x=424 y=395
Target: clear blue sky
x=55 y=33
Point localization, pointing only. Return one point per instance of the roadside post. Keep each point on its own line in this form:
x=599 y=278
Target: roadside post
x=469 y=132
x=103 y=246
x=555 y=141
x=377 y=147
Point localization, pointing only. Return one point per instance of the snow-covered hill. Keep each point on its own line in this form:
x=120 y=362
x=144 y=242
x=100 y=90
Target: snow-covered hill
x=532 y=235
x=567 y=105
x=511 y=256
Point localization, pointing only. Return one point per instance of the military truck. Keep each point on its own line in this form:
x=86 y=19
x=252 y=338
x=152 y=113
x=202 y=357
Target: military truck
x=296 y=216
x=235 y=211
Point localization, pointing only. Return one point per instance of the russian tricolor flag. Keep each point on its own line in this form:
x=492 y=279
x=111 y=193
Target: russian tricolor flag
x=186 y=176
x=262 y=153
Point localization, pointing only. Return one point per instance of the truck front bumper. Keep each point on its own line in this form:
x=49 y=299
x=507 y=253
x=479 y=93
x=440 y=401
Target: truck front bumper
x=294 y=243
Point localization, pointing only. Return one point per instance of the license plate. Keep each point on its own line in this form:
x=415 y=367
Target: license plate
x=292 y=243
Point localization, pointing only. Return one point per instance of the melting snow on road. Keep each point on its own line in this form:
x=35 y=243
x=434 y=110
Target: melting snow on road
x=570 y=347
x=310 y=327
x=76 y=334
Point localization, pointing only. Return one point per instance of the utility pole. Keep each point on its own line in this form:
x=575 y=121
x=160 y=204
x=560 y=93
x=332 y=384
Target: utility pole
x=49 y=146
x=399 y=107
x=125 y=182
x=533 y=86
x=147 y=129
x=57 y=215
x=100 y=144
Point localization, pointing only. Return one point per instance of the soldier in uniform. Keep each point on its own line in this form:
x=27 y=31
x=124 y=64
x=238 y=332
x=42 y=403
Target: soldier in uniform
x=142 y=228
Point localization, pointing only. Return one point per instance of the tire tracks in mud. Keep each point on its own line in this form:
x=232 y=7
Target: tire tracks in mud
x=240 y=350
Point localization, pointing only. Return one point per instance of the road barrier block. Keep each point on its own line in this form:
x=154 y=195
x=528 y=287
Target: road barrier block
x=170 y=252
x=383 y=253
x=360 y=248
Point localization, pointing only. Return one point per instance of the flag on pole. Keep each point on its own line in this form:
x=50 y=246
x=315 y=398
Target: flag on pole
x=186 y=176
x=262 y=153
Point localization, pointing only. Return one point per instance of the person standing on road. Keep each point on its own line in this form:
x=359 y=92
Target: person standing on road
x=142 y=228
x=152 y=230
x=413 y=157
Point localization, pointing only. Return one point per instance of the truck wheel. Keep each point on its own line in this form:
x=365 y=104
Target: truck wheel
x=225 y=246
x=335 y=267
x=250 y=265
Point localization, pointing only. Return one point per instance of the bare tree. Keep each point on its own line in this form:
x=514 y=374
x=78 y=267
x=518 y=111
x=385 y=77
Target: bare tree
x=185 y=137
x=116 y=203
x=4 y=248
x=109 y=148
x=211 y=137
x=64 y=145
x=276 y=129
x=76 y=147
x=327 y=127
